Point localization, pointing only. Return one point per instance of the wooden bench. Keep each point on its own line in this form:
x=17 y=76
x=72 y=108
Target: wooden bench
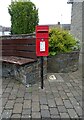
x=19 y=51
x=19 y=59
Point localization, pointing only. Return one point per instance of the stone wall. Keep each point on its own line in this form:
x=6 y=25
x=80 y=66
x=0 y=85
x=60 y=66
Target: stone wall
x=67 y=62
x=27 y=73
x=76 y=20
x=83 y=39
x=77 y=23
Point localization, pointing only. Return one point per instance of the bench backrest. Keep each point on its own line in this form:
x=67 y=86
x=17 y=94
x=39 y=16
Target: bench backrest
x=19 y=48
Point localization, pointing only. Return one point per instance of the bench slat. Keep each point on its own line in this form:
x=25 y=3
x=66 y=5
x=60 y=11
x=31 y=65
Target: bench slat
x=28 y=48
x=19 y=41
x=20 y=54
x=8 y=53
x=26 y=54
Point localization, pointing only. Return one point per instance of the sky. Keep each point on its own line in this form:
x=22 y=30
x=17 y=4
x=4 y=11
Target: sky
x=50 y=12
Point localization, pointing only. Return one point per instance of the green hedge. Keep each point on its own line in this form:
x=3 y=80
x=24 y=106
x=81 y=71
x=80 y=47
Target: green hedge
x=61 y=41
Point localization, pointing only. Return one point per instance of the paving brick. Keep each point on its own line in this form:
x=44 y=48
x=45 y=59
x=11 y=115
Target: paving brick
x=16 y=116
x=79 y=92
x=66 y=90
x=36 y=115
x=45 y=118
x=5 y=81
x=59 y=101
x=53 y=111
x=69 y=84
x=21 y=90
x=78 y=110
x=62 y=109
x=12 y=97
x=74 y=101
x=65 y=87
x=75 y=93
x=43 y=101
x=5 y=95
x=72 y=113
x=64 y=115
x=19 y=100
x=67 y=104
x=10 y=84
x=60 y=88
x=44 y=107
x=69 y=94
x=8 y=89
x=80 y=103
x=47 y=86
x=45 y=113
x=20 y=94
x=3 y=90
x=14 y=91
x=28 y=89
x=75 y=85
x=4 y=101
x=71 y=88
x=27 y=104
x=6 y=114
x=64 y=96
x=56 y=95
x=9 y=104
x=17 y=108
x=4 y=87
x=35 y=106
x=27 y=96
x=42 y=96
x=26 y=111
x=16 y=86
x=55 y=117
x=51 y=103
x=78 y=98
x=26 y=116
x=49 y=96
x=34 y=92
x=35 y=98
x=54 y=90
x=51 y=84
x=62 y=92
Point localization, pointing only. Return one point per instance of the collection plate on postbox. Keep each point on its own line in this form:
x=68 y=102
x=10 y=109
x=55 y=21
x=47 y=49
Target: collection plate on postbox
x=42 y=36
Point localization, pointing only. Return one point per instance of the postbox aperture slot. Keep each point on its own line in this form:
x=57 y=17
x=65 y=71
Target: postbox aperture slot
x=43 y=31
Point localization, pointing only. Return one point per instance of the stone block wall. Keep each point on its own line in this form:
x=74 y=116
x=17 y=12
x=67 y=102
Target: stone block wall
x=67 y=62
x=27 y=74
x=83 y=39
x=76 y=20
x=77 y=27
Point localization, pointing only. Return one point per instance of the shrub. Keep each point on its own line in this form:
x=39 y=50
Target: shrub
x=61 y=41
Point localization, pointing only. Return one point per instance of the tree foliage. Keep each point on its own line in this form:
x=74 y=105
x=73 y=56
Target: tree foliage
x=24 y=16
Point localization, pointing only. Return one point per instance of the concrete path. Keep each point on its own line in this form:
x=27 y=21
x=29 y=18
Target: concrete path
x=60 y=98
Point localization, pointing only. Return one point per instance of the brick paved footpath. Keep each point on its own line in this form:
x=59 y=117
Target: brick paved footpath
x=60 y=98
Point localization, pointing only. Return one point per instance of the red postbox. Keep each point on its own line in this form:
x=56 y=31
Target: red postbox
x=42 y=37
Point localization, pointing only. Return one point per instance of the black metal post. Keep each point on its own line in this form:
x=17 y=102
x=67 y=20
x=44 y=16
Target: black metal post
x=42 y=72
